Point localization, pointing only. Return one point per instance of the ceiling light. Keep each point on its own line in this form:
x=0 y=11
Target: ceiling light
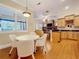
x=67 y=7
x=38 y=3
x=26 y=13
x=62 y=0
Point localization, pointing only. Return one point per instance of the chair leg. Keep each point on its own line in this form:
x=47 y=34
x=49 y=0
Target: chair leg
x=44 y=50
x=18 y=57
x=33 y=56
x=35 y=50
x=11 y=51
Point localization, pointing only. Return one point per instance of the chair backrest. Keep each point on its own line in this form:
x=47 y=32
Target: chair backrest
x=25 y=48
x=39 y=32
x=12 y=37
x=42 y=40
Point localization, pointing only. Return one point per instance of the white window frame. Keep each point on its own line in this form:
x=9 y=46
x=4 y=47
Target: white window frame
x=15 y=21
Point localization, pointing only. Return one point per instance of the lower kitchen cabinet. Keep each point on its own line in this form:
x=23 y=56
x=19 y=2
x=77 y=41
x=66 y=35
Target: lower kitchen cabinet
x=55 y=37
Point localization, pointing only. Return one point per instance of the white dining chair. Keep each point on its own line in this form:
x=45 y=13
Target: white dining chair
x=25 y=48
x=13 y=41
x=33 y=33
x=41 y=42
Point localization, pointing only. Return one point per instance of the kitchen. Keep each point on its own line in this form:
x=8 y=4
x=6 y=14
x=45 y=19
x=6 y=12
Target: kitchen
x=39 y=29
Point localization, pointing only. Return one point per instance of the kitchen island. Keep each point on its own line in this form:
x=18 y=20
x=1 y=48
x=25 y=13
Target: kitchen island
x=59 y=35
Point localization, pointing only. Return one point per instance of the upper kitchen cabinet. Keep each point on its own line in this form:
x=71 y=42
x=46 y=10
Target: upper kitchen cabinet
x=69 y=17
x=61 y=22
x=76 y=21
x=69 y=21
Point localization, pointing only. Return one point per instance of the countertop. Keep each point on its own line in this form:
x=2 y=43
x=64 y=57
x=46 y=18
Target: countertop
x=67 y=29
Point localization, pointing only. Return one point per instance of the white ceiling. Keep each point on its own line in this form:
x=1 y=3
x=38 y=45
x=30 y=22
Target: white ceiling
x=56 y=8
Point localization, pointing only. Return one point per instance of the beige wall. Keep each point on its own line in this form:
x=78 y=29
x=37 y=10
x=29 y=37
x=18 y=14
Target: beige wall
x=31 y=25
x=4 y=37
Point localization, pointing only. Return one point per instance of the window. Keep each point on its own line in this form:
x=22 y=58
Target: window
x=11 y=20
x=12 y=25
x=39 y=26
x=0 y=27
x=21 y=25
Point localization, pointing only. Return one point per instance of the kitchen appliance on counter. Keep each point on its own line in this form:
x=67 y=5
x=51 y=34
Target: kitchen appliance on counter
x=49 y=27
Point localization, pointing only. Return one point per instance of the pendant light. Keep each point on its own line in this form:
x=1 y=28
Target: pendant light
x=26 y=13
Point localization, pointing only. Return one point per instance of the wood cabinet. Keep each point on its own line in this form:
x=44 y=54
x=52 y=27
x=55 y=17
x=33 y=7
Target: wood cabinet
x=67 y=35
x=70 y=35
x=77 y=35
x=76 y=21
x=63 y=35
x=55 y=37
x=71 y=19
x=61 y=23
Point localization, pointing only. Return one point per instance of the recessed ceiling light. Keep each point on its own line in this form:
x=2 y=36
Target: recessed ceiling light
x=62 y=0
x=38 y=3
x=67 y=7
x=47 y=11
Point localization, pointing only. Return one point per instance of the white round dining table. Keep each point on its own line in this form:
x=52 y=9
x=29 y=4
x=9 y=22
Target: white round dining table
x=27 y=37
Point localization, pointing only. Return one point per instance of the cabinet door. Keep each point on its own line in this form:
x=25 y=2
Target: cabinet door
x=76 y=22
x=56 y=37
x=64 y=35
x=77 y=35
x=70 y=35
x=61 y=23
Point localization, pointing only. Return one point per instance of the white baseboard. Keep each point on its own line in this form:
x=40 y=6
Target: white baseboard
x=5 y=46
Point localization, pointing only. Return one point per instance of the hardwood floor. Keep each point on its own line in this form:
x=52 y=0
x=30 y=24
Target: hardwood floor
x=66 y=49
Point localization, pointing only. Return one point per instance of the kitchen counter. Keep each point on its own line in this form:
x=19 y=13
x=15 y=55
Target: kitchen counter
x=59 y=35
x=67 y=29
